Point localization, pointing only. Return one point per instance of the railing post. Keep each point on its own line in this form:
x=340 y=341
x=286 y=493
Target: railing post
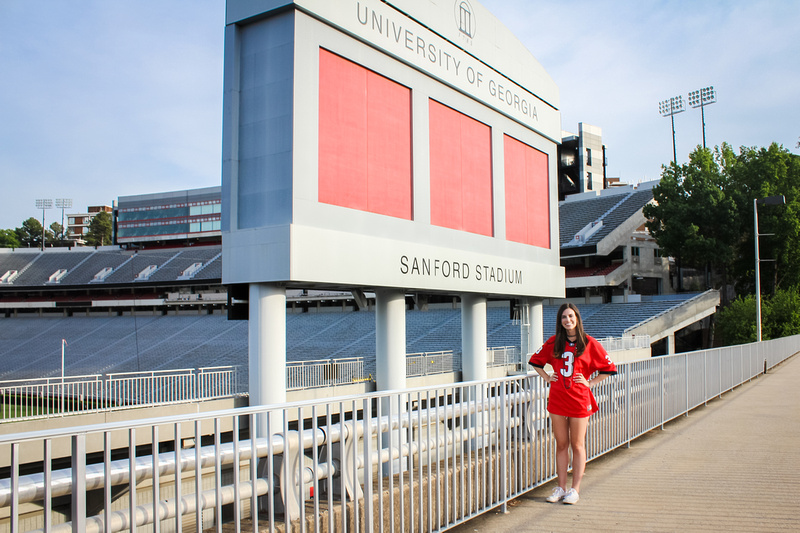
x=741 y=369
x=369 y=523
x=78 y=505
x=503 y=447
x=628 y=405
x=705 y=378
x=47 y=504
x=14 y=474
x=157 y=481
x=661 y=389
x=686 y=378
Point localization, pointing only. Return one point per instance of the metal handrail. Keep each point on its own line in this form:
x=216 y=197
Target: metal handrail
x=456 y=431
x=363 y=446
x=626 y=342
x=27 y=399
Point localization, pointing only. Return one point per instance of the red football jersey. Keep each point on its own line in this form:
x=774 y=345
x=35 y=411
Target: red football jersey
x=568 y=397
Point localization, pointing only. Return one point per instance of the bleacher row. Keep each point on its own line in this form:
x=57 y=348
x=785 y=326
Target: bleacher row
x=31 y=346
x=35 y=268
x=612 y=209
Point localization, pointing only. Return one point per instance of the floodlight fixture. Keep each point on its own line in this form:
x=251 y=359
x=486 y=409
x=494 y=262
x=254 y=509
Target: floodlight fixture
x=43 y=204
x=63 y=203
x=702 y=98
x=669 y=108
x=672 y=106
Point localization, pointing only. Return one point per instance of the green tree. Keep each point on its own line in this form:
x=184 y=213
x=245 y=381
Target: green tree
x=58 y=231
x=9 y=239
x=694 y=216
x=704 y=214
x=30 y=233
x=781 y=314
x=99 y=230
x=780 y=317
x=760 y=173
x=736 y=323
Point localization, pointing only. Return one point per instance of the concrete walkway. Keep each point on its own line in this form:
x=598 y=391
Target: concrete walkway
x=733 y=465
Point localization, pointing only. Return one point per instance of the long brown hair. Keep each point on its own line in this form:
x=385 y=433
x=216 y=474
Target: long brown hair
x=561 y=333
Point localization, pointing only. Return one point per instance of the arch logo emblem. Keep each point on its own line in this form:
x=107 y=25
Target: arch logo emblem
x=465 y=18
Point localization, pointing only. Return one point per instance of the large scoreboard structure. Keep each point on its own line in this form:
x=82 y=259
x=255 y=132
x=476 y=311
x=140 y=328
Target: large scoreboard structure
x=391 y=146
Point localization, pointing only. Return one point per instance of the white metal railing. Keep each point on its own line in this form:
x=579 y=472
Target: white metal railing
x=503 y=356
x=423 y=459
x=324 y=372
x=427 y=363
x=683 y=305
x=41 y=398
x=50 y=397
x=626 y=342
x=214 y=382
x=327 y=372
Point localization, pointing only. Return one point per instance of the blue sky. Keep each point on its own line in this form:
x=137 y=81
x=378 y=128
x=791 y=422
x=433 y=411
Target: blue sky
x=109 y=98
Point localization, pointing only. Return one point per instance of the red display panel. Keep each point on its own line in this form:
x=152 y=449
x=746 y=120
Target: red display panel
x=364 y=139
x=461 y=171
x=527 y=194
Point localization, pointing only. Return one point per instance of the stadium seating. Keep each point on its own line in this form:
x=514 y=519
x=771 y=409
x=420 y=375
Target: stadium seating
x=83 y=264
x=613 y=210
x=31 y=346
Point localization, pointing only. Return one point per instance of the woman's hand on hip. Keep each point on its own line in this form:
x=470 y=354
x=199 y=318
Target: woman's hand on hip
x=580 y=378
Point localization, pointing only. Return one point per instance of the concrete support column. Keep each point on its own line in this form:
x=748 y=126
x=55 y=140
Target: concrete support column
x=267 y=348
x=266 y=337
x=531 y=327
x=390 y=340
x=390 y=368
x=671 y=344
x=473 y=337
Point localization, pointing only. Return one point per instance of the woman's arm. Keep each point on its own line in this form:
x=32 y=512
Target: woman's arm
x=580 y=378
x=549 y=378
x=597 y=379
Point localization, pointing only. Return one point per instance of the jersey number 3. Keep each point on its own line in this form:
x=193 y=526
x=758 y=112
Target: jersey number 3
x=569 y=364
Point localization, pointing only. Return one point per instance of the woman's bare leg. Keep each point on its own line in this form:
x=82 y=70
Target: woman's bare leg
x=577 y=437
x=561 y=431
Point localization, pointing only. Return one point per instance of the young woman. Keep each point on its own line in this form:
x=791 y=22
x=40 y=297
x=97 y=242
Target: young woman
x=574 y=356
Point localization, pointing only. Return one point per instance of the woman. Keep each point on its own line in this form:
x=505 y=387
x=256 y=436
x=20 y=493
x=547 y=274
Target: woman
x=574 y=356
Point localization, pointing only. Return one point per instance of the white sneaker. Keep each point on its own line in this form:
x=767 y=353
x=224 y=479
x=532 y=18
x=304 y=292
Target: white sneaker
x=557 y=496
x=571 y=497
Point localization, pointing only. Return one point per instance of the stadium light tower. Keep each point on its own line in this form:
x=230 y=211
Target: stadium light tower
x=670 y=108
x=43 y=203
x=63 y=203
x=770 y=200
x=702 y=98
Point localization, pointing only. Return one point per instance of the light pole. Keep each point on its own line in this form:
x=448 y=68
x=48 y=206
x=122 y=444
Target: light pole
x=670 y=108
x=700 y=99
x=63 y=203
x=43 y=203
x=770 y=200
x=63 y=344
